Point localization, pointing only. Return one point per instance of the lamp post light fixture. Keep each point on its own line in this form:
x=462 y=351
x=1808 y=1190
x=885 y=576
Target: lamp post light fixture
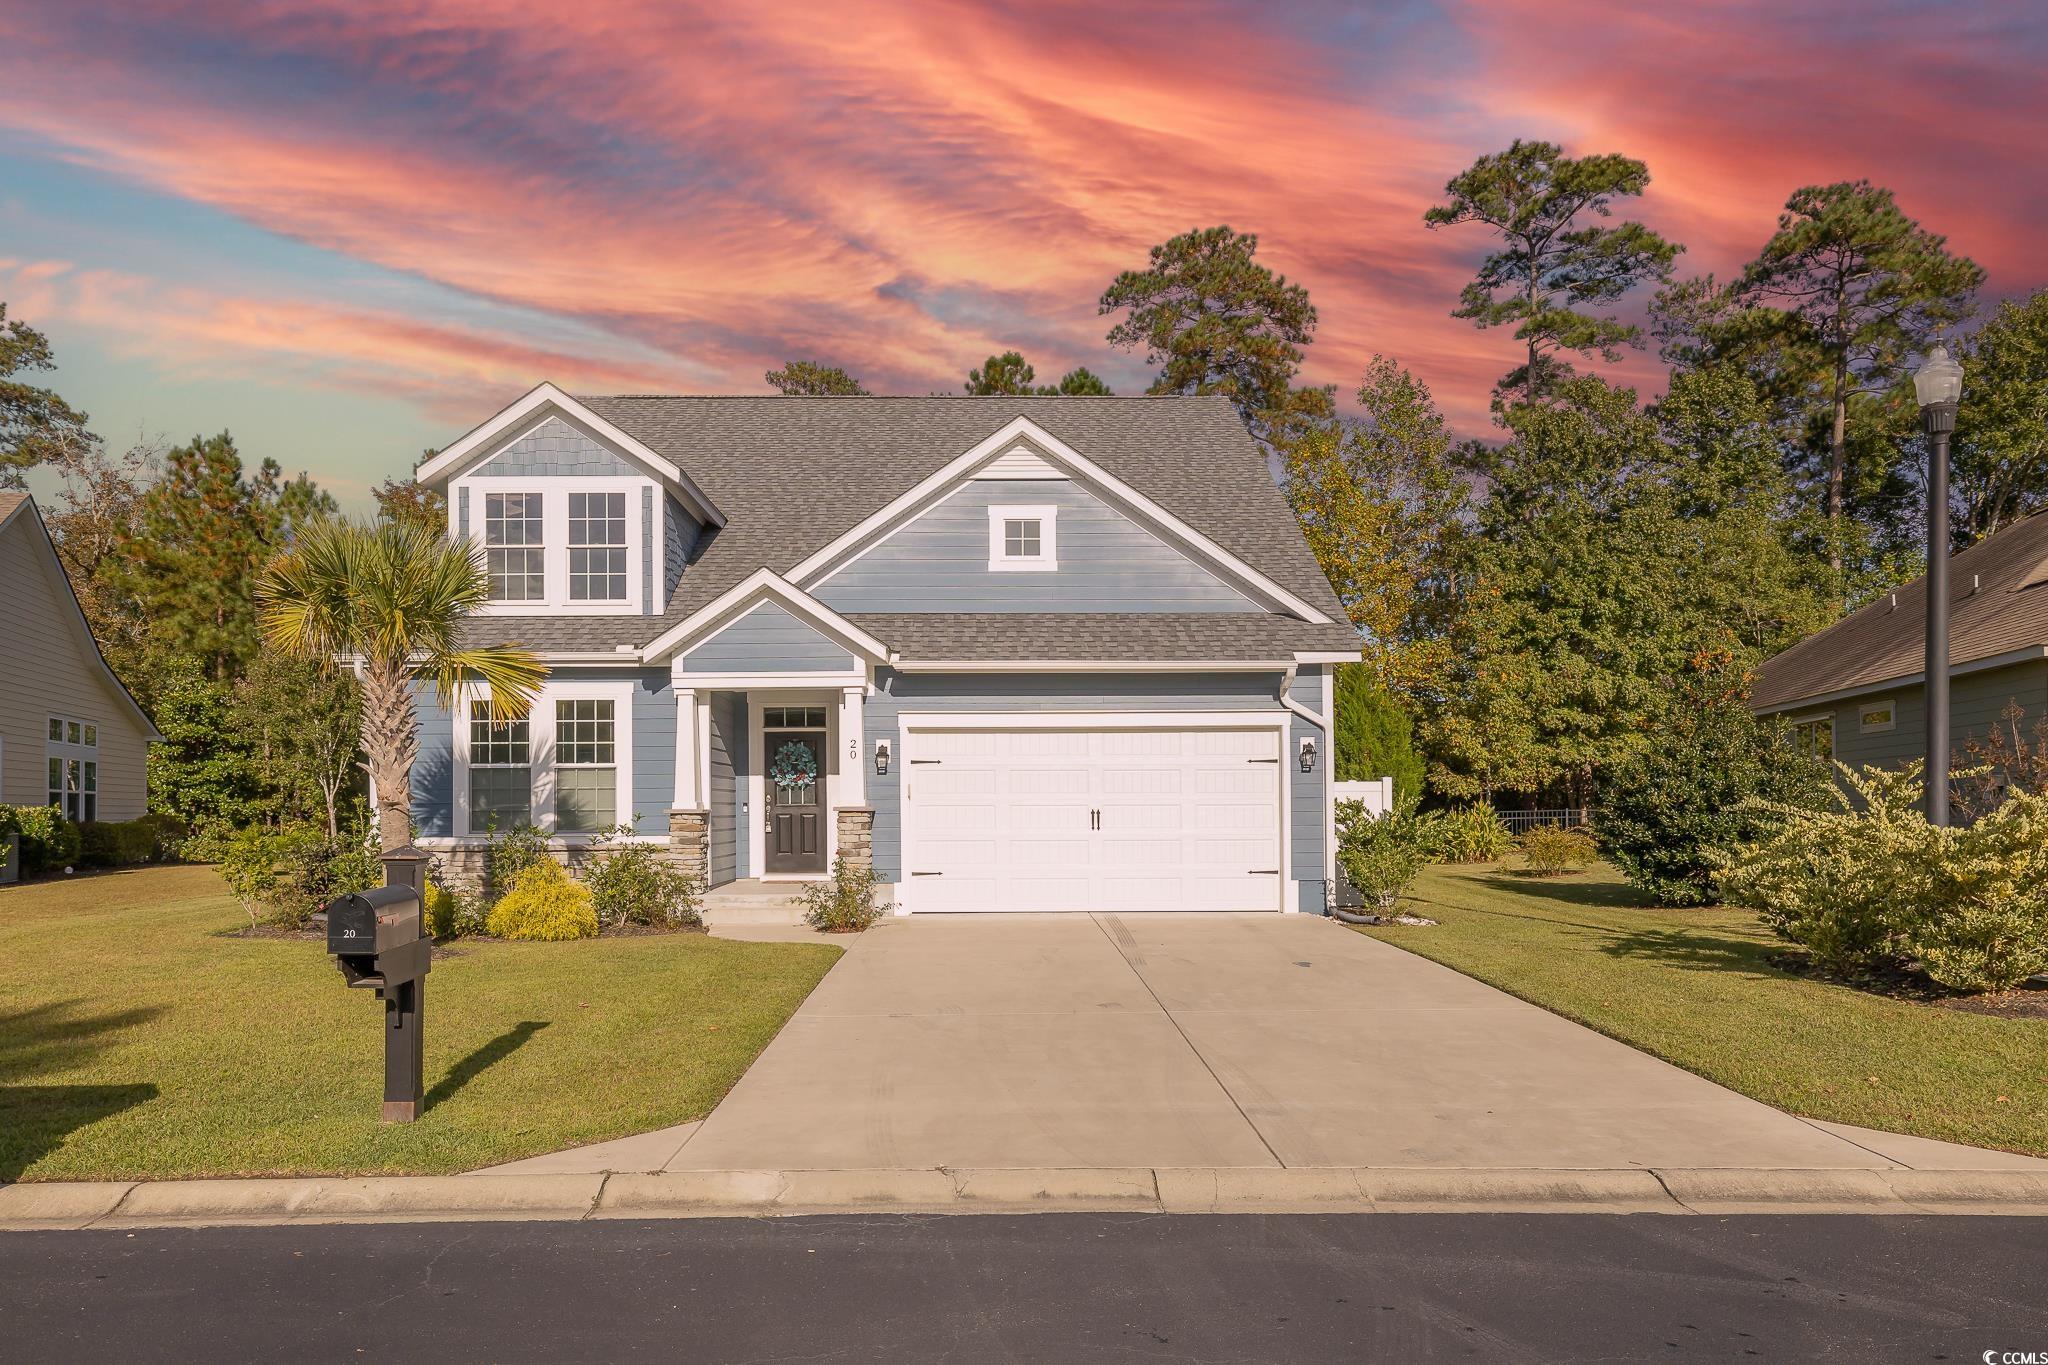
x=1938 y=384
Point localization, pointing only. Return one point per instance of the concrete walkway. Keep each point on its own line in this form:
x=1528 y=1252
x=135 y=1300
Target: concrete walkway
x=1231 y=1042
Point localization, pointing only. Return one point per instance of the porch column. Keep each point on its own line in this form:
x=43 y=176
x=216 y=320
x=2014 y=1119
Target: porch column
x=688 y=797
x=853 y=782
x=689 y=823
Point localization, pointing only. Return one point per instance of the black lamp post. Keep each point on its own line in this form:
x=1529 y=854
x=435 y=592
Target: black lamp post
x=1938 y=384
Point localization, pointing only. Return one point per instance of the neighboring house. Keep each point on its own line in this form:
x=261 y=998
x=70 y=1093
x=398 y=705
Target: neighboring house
x=1855 y=691
x=1021 y=653
x=70 y=735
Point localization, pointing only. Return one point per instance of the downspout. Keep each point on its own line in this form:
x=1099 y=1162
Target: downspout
x=1288 y=701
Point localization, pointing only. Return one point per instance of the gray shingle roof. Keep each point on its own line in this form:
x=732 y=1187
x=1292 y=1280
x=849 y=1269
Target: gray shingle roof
x=2004 y=610
x=792 y=474
x=1165 y=637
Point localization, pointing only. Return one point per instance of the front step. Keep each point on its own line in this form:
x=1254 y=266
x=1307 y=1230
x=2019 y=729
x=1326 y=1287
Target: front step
x=752 y=902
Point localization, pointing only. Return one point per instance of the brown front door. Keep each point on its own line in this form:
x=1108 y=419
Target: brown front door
x=796 y=800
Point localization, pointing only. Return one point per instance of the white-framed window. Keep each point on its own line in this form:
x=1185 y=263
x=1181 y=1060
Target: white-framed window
x=500 y=770
x=597 y=547
x=586 y=765
x=72 y=754
x=1877 y=715
x=1815 y=735
x=1023 y=538
x=515 y=547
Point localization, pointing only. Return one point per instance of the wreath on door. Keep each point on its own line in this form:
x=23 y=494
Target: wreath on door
x=795 y=765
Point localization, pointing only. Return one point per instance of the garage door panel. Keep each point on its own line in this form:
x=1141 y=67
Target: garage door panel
x=1079 y=820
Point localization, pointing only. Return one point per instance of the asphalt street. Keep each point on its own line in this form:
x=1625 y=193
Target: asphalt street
x=1074 y=1287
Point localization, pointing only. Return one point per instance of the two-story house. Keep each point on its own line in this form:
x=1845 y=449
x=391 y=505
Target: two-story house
x=1044 y=654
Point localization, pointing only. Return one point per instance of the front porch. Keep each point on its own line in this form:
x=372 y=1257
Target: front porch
x=770 y=787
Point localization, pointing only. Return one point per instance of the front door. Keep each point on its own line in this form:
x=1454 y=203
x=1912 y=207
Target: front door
x=796 y=801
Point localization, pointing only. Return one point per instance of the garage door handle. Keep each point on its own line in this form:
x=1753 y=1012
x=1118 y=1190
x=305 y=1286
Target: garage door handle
x=1263 y=872
x=1262 y=760
x=927 y=874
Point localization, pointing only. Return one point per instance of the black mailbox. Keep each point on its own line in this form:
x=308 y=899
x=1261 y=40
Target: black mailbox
x=375 y=938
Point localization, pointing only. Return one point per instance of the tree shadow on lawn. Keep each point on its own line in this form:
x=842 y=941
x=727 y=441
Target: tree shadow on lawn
x=481 y=1060
x=1570 y=891
x=36 y=1119
x=1698 y=949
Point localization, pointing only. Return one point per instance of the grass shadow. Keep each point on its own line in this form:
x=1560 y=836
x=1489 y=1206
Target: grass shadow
x=1588 y=895
x=1695 y=950
x=36 y=1119
x=57 y=1034
x=481 y=1060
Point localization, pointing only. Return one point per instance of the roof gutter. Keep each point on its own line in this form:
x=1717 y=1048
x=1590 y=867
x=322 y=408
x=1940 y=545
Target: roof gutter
x=2005 y=660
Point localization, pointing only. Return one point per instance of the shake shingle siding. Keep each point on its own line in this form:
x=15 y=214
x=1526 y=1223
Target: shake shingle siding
x=554 y=448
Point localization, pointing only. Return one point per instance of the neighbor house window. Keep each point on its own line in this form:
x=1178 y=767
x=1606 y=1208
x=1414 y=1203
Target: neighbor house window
x=500 y=771
x=1023 y=538
x=597 y=547
x=513 y=551
x=586 y=766
x=72 y=756
x=1876 y=715
x=1815 y=735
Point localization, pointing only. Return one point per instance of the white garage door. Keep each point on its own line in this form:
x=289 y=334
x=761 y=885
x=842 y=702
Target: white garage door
x=1032 y=820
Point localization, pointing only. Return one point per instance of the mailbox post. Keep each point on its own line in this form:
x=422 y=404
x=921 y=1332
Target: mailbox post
x=377 y=940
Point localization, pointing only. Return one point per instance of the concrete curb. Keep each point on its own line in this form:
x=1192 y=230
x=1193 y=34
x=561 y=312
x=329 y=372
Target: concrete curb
x=755 y=1194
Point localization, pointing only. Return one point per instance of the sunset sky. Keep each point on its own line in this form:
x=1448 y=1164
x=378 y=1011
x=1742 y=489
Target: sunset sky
x=347 y=231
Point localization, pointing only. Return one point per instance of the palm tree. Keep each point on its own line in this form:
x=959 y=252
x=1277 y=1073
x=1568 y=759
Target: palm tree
x=390 y=597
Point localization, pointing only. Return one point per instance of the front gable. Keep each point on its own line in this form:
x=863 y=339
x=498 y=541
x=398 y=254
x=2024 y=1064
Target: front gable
x=767 y=639
x=1119 y=550
x=554 y=449
x=1097 y=558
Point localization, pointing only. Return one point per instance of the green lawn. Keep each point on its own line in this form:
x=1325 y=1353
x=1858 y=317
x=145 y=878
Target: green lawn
x=1695 y=987
x=137 y=1040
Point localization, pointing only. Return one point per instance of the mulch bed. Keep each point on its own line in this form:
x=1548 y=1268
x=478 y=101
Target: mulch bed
x=1905 y=983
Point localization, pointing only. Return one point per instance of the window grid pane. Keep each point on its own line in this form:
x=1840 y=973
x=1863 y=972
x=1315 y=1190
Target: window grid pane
x=584 y=733
x=1021 y=538
x=56 y=730
x=504 y=743
x=499 y=798
x=515 y=561
x=792 y=717
x=586 y=800
x=597 y=541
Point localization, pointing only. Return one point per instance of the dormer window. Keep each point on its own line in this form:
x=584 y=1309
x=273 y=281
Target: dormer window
x=1023 y=539
x=597 y=547
x=514 y=547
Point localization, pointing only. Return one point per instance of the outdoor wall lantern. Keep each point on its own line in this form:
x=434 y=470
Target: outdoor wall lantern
x=1308 y=754
x=881 y=758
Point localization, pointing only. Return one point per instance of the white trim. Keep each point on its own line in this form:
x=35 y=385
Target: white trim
x=761 y=586
x=1089 y=666
x=541 y=751
x=689 y=795
x=1046 y=514
x=1327 y=656
x=554 y=491
x=1276 y=721
x=1102 y=482
x=1955 y=670
x=1891 y=707
x=757 y=805
x=480 y=442
x=1092 y=720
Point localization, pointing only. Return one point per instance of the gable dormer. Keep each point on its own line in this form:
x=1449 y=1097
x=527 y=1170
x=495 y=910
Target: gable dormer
x=575 y=516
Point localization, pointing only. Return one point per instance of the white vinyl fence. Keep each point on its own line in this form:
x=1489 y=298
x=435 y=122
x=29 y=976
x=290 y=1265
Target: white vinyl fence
x=1378 y=794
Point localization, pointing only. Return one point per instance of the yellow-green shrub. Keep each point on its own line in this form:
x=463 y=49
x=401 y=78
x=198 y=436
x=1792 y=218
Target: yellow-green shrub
x=438 y=906
x=544 y=904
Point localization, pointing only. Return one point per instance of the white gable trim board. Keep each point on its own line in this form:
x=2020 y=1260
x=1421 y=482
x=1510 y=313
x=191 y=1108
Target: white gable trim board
x=1113 y=490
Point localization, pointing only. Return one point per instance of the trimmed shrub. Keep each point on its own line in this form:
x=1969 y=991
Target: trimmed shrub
x=1979 y=921
x=48 y=840
x=116 y=843
x=633 y=884
x=169 y=833
x=543 y=904
x=1382 y=854
x=507 y=853
x=1716 y=778
x=1831 y=881
x=1465 y=834
x=1552 y=851
x=844 y=904
x=281 y=876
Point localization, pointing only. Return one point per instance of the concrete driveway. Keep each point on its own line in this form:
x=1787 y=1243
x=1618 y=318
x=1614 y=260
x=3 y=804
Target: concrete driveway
x=1212 y=1040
